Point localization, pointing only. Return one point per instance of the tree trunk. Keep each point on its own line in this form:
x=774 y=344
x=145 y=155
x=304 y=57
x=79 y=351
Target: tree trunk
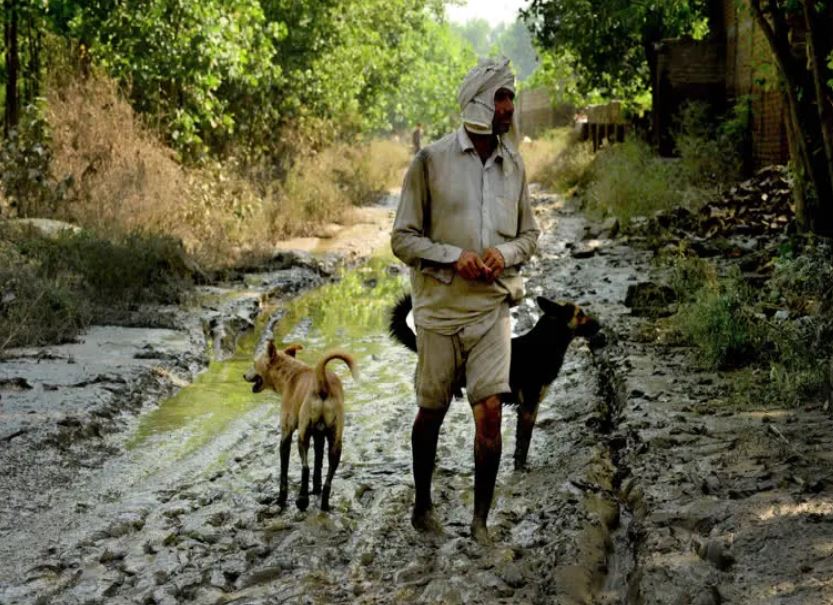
x=819 y=48
x=807 y=140
x=12 y=106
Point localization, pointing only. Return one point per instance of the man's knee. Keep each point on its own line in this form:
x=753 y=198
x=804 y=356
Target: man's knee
x=487 y=414
x=429 y=417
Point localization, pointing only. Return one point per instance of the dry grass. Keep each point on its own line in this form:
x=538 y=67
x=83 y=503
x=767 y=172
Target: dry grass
x=557 y=160
x=123 y=179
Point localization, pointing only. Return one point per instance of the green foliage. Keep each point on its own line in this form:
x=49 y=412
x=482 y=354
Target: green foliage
x=731 y=325
x=610 y=42
x=36 y=309
x=427 y=89
x=273 y=76
x=134 y=268
x=555 y=72
x=719 y=322
x=614 y=187
x=54 y=286
x=200 y=70
x=689 y=275
x=557 y=160
x=513 y=41
x=25 y=166
x=713 y=151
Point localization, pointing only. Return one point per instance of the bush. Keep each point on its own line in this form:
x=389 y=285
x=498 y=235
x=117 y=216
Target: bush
x=122 y=180
x=710 y=150
x=26 y=168
x=36 y=309
x=628 y=180
x=732 y=327
x=557 y=160
x=322 y=187
x=719 y=322
x=108 y=273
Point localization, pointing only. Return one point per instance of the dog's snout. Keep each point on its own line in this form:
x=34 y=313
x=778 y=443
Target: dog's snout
x=256 y=380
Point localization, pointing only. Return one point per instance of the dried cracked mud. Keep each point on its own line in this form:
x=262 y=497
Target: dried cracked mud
x=133 y=473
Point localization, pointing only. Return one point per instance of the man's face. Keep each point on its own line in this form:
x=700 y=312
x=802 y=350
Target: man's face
x=504 y=108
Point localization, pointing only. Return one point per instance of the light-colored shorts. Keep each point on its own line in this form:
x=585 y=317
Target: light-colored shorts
x=477 y=357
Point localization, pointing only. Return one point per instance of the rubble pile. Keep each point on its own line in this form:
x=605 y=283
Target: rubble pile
x=756 y=207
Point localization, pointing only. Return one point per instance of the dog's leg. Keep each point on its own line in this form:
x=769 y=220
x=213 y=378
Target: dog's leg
x=286 y=447
x=302 y=502
x=333 y=458
x=318 y=444
x=527 y=413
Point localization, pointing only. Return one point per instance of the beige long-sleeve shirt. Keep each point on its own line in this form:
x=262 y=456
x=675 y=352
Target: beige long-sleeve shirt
x=451 y=201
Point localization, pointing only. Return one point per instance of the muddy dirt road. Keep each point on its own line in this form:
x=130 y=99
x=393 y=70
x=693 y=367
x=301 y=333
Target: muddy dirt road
x=643 y=485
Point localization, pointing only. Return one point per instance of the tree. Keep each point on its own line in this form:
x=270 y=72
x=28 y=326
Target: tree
x=805 y=71
x=23 y=25
x=478 y=32
x=515 y=42
x=12 y=55
x=612 y=42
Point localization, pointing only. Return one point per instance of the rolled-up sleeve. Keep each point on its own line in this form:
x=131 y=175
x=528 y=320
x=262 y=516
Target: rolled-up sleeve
x=521 y=249
x=408 y=240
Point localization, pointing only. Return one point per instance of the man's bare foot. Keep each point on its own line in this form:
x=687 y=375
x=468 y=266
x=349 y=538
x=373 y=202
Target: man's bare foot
x=479 y=533
x=424 y=521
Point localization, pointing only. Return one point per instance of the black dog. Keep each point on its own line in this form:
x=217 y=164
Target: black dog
x=536 y=357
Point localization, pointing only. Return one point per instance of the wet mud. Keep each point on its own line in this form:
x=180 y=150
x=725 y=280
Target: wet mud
x=643 y=485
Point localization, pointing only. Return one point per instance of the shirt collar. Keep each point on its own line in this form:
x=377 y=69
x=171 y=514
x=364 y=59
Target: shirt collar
x=464 y=140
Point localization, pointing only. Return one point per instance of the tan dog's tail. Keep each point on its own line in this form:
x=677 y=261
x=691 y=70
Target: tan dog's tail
x=322 y=385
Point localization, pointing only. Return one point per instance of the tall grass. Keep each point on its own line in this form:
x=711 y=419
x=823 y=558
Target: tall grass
x=53 y=287
x=629 y=180
x=84 y=157
x=718 y=318
x=733 y=326
x=122 y=179
x=557 y=160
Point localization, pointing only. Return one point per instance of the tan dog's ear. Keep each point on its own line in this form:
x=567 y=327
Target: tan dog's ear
x=293 y=348
x=273 y=352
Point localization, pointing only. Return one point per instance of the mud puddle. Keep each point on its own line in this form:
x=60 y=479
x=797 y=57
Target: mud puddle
x=184 y=511
x=645 y=484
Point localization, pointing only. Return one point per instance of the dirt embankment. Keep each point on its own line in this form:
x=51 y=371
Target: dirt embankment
x=644 y=486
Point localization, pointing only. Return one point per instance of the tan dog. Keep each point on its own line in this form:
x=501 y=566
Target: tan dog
x=312 y=400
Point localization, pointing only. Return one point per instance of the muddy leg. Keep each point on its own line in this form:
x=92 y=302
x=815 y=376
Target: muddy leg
x=487 y=449
x=286 y=447
x=333 y=458
x=526 y=422
x=424 y=437
x=303 y=448
x=318 y=444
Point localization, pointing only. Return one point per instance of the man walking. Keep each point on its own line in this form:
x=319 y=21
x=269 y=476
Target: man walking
x=464 y=225
x=416 y=138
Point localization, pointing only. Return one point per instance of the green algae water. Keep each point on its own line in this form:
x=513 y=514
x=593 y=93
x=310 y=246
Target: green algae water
x=350 y=314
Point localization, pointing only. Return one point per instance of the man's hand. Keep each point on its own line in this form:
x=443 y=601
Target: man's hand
x=494 y=262
x=470 y=266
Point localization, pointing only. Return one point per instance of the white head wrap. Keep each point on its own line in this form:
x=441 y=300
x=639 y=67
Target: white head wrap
x=477 y=93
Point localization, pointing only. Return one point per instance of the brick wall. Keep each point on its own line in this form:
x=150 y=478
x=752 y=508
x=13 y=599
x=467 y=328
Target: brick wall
x=751 y=72
x=732 y=65
x=687 y=70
